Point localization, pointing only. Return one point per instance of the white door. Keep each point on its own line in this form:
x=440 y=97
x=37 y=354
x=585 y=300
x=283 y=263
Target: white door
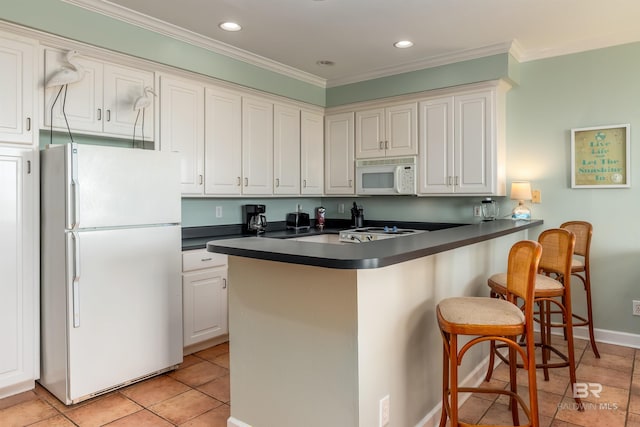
x=16 y=91
x=205 y=304
x=370 y=133
x=19 y=305
x=339 y=154
x=223 y=142
x=402 y=130
x=182 y=129
x=311 y=153
x=286 y=150
x=124 y=300
x=122 y=87
x=83 y=105
x=474 y=157
x=436 y=146
x=257 y=146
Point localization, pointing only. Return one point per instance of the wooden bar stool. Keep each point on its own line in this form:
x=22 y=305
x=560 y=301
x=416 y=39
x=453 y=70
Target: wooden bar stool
x=491 y=319
x=552 y=289
x=580 y=269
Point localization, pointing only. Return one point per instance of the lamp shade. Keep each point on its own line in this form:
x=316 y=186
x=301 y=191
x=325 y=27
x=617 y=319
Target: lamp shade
x=521 y=190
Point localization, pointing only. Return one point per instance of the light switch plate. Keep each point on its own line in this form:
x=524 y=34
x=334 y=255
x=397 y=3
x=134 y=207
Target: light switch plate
x=535 y=196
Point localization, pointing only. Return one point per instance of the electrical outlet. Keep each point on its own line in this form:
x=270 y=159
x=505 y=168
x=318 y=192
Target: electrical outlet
x=340 y=207
x=477 y=211
x=636 y=308
x=536 y=197
x=384 y=411
x=218 y=211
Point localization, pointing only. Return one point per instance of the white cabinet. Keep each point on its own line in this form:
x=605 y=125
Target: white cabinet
x=286 y=150
x=19 y=272
x=389 y=131
x=16 y=90
x=462 y=143
x=204 y=296
x=257 y=146
x=102 y=102
x=223 y=142
x=339 y=154
x=182 y=129
x=311 y=153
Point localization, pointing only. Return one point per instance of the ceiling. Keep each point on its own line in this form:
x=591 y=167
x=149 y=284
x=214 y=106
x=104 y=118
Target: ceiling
x=358 y=35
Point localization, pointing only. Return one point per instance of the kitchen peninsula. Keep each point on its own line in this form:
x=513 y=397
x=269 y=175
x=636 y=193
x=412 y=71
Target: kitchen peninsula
x=321 y=333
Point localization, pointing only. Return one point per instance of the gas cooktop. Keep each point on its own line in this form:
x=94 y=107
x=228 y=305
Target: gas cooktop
x=370 y=234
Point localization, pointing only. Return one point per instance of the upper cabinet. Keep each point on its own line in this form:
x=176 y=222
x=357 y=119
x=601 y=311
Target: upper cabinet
x=100 y=99
x=257 y=146
x=223 y=142
x=286 y=150
x=17 y=89
x=339 y=154
x=462 y=142
x=311 y=153
x=182 y=129
x=389 y=131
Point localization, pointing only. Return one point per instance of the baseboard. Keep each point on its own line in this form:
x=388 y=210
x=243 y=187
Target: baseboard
x=194 y=348
x=624 y=339
x=233 y=422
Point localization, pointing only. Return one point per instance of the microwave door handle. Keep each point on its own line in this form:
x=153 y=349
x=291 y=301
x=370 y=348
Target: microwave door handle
x=398 y=172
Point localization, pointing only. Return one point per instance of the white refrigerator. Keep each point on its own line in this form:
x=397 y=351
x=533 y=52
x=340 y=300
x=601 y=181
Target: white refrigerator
x=111 y=294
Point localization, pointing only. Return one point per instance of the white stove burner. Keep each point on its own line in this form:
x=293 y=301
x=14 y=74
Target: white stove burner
x=370 y=234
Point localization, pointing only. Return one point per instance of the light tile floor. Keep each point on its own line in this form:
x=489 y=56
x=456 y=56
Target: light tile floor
x=197 y=394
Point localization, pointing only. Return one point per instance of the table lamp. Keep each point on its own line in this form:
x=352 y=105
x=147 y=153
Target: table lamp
x=521 y=191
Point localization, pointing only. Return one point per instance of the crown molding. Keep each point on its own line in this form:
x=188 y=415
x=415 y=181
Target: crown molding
x=129 y=16
x=434 y=61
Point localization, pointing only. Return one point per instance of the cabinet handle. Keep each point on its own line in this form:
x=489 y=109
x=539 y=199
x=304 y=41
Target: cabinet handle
x=277 y=182
x=108 y=115
x=224 y=283
x=28 y=167
x=99 y=113
x=304 y=183
x=449 y=180
x=29 y=124
x=205 y=259
x=457 y=180
x=350 y=183
x=386 y=145
x=246 y=182
x=239 y=181
x=200 y=177
x=381 y=145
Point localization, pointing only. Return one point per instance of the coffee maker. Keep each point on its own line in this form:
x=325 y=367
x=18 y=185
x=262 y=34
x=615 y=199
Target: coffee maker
x=255 y=220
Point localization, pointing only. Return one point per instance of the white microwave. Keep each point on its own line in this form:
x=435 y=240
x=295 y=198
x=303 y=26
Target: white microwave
x=386 y=176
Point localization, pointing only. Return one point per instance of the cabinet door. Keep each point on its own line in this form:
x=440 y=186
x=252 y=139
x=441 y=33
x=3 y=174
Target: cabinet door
x=16 y=91
x=402 y=130
x=122 y=87
x=339 y=153
x=257 y=146
x=436 y=146
x=182 y=129
x=83 y=105
x=286 y=150
x=223 y=142
x=204 y=297
x=370 y=133
x=19 y=304
x=474 y=156
x=311 y=153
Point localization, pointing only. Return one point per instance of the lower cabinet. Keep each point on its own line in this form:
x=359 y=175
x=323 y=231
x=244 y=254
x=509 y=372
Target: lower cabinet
x=204 y=296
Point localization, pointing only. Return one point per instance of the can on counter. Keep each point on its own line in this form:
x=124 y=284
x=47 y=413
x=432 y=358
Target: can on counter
x=320 y=217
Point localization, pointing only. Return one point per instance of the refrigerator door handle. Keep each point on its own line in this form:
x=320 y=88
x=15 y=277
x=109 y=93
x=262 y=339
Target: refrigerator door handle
x=74 y=256
x=73 y=189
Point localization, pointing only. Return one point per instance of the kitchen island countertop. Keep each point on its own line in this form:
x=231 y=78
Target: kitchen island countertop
x=370 y=254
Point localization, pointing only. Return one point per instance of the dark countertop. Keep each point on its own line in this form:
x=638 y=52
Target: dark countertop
x=276 y=247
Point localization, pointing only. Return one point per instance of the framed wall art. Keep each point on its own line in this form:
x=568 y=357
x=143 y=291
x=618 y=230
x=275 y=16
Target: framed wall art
x=600 y=157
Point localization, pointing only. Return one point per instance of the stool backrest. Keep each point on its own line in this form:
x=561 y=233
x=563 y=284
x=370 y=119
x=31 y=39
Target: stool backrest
x=583 y=231
x=557 y=251
x=522 y=268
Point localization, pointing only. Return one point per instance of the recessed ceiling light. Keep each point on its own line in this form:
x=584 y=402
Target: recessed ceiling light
x=230 y=26
x=403 y=44
x=325 y=63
